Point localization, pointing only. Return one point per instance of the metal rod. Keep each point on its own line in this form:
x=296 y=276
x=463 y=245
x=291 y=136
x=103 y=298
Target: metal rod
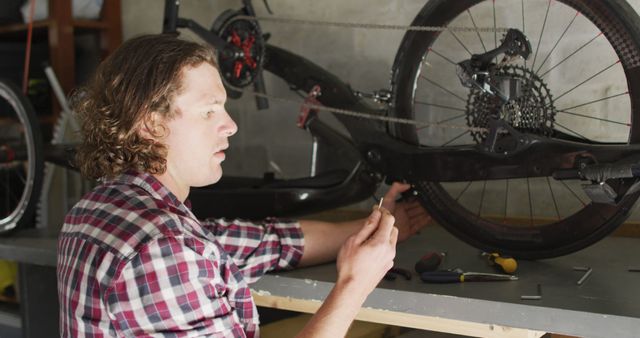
x=534 y=297
x=585 y=276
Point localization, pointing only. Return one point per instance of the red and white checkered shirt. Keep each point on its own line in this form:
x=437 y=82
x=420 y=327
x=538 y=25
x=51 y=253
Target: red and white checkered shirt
x=134 y=261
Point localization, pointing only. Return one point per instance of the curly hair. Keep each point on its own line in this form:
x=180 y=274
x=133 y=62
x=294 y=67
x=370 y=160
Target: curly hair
x=142 y=76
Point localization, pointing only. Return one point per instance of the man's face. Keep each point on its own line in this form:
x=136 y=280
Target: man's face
x=198 y=134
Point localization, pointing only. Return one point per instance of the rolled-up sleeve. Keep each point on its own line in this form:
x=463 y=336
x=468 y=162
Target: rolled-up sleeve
x=257 y=248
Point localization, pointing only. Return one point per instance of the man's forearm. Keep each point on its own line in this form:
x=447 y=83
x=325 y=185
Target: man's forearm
x=324 y=239
x=336 y=314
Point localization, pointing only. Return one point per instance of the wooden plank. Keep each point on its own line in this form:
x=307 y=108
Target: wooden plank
x=401 y=319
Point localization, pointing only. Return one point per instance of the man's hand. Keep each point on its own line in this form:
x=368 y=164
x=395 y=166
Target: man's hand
x=409 y=214
x=367 y=255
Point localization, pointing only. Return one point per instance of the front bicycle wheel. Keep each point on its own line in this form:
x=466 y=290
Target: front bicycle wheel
x=21 y=160
x=583 y=85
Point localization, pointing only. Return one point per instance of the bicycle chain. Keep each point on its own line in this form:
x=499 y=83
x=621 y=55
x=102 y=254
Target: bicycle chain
x=352 y=113
x=373 y=25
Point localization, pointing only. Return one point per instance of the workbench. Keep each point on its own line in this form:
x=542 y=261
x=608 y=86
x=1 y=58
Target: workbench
x=605 y=305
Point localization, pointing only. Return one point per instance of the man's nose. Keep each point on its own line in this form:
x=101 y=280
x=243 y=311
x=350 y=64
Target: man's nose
x=229 y=127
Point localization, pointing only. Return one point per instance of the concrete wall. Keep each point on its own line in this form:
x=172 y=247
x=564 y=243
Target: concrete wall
x=269 y=139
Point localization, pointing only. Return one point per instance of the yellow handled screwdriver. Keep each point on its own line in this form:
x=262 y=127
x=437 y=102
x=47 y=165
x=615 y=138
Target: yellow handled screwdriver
x=507 y=264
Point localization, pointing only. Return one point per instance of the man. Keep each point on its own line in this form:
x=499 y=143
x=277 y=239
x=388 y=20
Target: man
x=132 y=258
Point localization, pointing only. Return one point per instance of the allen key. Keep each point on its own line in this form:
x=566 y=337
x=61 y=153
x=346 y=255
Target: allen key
x=533 y=297
x=585 y=276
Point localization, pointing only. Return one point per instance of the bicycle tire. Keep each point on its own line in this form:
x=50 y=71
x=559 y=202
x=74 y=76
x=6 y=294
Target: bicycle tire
x=22 y=177
x=587 y=225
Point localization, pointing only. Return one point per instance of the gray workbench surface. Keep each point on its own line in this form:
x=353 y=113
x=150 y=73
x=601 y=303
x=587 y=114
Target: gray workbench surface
x=606 y=305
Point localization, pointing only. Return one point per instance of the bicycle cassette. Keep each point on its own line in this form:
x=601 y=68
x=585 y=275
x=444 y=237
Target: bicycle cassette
x=240 y=67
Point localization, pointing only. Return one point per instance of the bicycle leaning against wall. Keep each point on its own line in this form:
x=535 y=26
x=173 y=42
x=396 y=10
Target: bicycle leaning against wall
x=513 y=120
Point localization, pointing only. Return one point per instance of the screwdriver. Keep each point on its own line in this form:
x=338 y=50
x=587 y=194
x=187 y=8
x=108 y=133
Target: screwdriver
x=429 y=262
x=457 y=276
x=507 y=264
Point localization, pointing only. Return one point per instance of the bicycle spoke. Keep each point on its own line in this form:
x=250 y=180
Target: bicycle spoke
x=553 y=198
x=592 y=102
x=440 y=106
x=443 y=121
x=460 y=42
x=9 y=196
x=463 y=190
x=495 y=32
x=443 y=88
x=585 y=81
x=557 y=42
x=530 y=203
x=595 y=118
x=573 y=192
x=455 y=138
x=573 y=132
x=477 y=32
x=484 y=188
x=544 y=24
x=452 y=118
x=22 y=178
x=570 y=55
x=442 y=56
x=523 y=30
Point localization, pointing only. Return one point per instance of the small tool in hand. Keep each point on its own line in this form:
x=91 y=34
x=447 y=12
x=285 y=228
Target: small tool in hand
x=458 y=276
x=507 y=264
x=429 y=262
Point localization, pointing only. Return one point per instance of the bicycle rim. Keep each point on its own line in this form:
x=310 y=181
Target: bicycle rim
x=582 y=70
x=20 y=174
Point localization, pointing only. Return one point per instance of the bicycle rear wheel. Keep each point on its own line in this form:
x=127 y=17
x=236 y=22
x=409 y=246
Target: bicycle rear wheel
x=21 y=157
x=583 y=71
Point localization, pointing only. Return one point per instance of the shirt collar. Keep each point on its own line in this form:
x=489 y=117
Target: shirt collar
x=153 y=186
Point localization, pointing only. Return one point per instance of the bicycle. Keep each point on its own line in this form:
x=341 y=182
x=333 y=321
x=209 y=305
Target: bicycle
x=515 y=136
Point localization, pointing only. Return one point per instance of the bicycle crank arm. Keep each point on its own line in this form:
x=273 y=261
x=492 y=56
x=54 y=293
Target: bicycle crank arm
x=60 y=154
x=540 y=157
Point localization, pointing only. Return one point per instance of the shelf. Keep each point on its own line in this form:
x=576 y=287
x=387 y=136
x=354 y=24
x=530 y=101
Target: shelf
x=21 y=27
x=58 y=31
x=81 y=24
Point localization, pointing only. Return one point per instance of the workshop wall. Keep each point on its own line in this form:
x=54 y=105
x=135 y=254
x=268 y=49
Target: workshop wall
x=269 y=140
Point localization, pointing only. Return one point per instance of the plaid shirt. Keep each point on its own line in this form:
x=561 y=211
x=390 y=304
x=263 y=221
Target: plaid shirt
x=134 y=261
